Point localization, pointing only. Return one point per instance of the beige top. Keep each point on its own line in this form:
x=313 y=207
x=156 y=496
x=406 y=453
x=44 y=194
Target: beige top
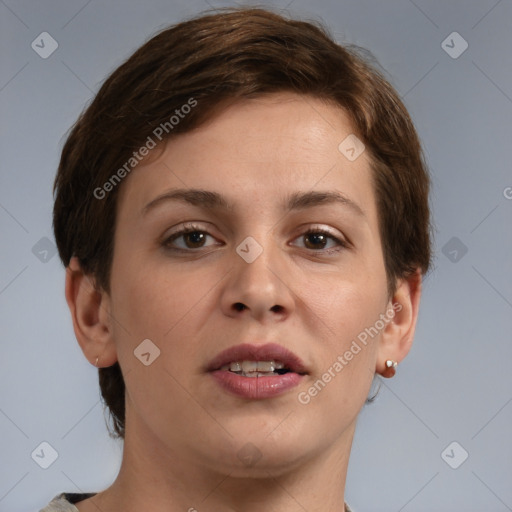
x=64 y=502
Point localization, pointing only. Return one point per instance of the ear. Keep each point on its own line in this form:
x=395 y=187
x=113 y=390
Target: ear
x=397 y=337
x=90 y=312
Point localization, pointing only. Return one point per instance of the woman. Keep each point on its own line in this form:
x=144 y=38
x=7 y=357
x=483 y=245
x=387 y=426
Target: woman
x=243 y=216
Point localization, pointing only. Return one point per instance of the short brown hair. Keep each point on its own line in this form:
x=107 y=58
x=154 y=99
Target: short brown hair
x=221 y=57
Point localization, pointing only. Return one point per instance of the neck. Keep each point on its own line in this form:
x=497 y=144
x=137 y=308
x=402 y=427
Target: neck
x=157 y=478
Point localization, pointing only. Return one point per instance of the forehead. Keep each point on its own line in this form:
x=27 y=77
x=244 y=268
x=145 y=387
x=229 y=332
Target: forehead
x=258 y=151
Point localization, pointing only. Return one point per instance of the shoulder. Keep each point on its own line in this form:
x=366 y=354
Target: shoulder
x=64 y=502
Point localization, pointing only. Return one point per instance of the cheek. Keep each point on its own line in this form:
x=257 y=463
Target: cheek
x=150 y=302
x=347 y=351
x=346 y=303
x=152 y=295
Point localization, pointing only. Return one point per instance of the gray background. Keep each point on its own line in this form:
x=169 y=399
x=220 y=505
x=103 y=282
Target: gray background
x=456 y=383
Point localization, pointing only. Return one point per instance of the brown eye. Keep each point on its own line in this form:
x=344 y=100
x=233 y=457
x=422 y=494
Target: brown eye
x=189 y=239
x=318 y=239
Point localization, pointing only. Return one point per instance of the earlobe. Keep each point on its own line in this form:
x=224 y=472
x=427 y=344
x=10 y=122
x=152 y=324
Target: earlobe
x=397 y=337
x=90 y=313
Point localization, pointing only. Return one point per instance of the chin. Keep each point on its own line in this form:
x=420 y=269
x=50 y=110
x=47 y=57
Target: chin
x=258 y=452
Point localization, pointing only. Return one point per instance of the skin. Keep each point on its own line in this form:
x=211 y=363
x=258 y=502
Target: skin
x=183 y=432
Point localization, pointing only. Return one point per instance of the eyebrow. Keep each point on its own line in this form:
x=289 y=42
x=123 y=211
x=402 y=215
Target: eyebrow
x=216 y=201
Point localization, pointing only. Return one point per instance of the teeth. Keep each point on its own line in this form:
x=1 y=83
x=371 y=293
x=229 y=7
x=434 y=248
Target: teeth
x=235 y=367
x=258 y=374
x=253 y=367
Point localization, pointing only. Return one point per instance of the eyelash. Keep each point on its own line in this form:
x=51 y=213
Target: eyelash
x=193 y=229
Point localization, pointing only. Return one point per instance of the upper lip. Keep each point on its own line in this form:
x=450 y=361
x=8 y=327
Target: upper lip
x=266 y=352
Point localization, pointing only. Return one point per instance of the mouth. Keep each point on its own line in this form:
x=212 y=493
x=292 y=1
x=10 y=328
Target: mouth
x=258 y=361
x=256 y=368
x=257 y=371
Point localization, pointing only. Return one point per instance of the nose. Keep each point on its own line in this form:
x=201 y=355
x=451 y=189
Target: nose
x=260 y=289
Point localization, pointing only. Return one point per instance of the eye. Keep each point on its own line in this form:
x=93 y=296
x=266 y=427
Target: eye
x=317 y=239
x=193 y=237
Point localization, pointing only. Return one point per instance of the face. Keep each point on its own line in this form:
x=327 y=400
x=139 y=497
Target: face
x=309 y=273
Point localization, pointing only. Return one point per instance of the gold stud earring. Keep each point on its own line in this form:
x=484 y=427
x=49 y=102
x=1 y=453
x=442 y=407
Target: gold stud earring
x=389 y=370
x=96 y=363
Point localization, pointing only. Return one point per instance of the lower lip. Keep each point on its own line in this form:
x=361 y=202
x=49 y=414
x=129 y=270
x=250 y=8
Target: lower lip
x=256 y=387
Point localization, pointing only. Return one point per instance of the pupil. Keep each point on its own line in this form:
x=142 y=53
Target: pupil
x=196 y=237
x=316 y=237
